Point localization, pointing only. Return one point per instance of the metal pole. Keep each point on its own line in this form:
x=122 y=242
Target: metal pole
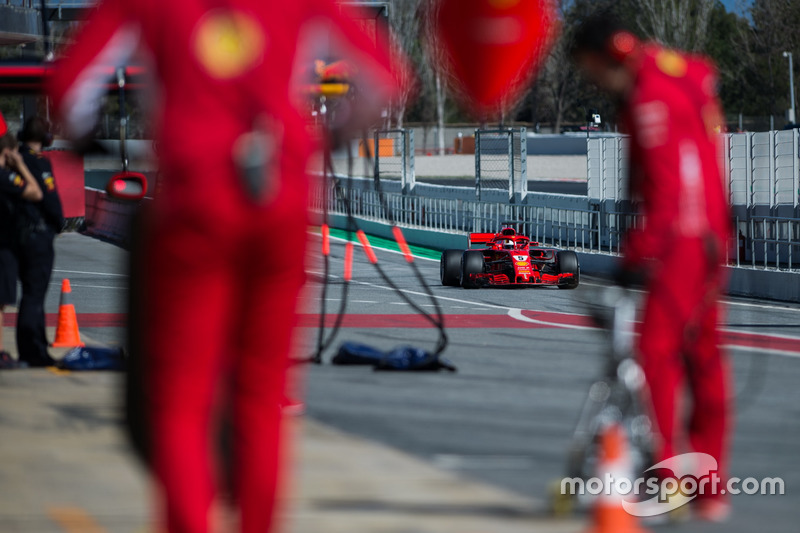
x=48 y=45
x=791 y=86
x=523 y=161
x=412 y=172
x=478 y=164
x=123 y=118
x=376 y=165
x=510 y=139
x=403 y=158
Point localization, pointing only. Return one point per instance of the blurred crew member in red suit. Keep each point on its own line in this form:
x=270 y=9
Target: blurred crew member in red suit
x=669 y=106
x=225 y=242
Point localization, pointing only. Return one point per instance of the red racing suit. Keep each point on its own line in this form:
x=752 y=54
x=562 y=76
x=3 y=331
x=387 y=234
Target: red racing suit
x=673 y=115
x=224 y=260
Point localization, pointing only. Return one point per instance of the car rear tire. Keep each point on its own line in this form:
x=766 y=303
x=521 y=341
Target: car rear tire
x=471 y=263
x=450 y=268
x=568 y=264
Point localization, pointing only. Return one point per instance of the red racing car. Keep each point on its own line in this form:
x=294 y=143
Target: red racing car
x=509 y=260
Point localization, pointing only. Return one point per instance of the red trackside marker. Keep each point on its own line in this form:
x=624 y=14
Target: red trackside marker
x=401 y=242
x=348 y=261
x=362 y=238
x=326 y=240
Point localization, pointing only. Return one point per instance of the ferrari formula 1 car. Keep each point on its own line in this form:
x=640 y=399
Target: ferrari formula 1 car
x=509 y=260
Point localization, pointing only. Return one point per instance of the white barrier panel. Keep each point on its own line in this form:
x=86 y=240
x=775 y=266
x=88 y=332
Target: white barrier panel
x=760 y=169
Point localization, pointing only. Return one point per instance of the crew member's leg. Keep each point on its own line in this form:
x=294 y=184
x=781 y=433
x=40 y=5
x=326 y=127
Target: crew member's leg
x=708 y=376
x=659 y=348
x=187 y=315
x=35 y=268
x=8 y=296
x=274 y=274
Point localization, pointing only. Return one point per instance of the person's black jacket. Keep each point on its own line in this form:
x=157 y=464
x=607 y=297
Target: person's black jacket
x=48 y=212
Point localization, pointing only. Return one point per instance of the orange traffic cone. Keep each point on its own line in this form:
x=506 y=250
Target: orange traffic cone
x=608 y=515
x=67 y=333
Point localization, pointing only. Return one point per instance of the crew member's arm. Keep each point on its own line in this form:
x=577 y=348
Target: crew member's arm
x=107 y=40
x=51 y=202
x=22 y=179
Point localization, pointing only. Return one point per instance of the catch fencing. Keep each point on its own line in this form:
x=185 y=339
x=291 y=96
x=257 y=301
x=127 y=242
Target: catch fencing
x=762 y=177
x=761 y=242
x=761 y=170
x=501 y=161
x=580 y=229
x=393 y=156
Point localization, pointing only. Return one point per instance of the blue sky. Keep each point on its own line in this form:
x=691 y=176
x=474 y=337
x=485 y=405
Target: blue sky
x=732 y=5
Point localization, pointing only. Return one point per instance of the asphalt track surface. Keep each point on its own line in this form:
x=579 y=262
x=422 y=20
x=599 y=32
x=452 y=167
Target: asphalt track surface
x=525 y=362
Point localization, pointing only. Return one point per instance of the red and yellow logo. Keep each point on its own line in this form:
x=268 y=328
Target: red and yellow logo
x=671 y=63
x=228 y=43
x=17 y=181
x=50 y=184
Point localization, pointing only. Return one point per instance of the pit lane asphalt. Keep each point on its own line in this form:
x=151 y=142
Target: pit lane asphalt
x=506 y=416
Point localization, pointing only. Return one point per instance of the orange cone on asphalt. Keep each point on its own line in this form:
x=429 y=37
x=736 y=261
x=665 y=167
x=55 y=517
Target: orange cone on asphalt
x=67 y=334
x=608 y=515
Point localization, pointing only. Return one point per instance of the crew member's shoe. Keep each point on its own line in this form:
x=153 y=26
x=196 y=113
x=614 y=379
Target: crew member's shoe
x=39 y=362
x=715 y=510
x=7 y=362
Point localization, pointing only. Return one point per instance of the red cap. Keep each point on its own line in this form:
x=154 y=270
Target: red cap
x=3 y=125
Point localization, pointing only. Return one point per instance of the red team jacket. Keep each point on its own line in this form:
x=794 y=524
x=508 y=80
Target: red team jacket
x=673 y=116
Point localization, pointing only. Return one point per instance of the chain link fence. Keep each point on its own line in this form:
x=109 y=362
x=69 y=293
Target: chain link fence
x=501 y=161
x=393 y=155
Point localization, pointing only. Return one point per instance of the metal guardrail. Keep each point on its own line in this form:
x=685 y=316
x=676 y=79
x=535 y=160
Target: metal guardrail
x=768 y=242
x=765 y=242
x=580 y=229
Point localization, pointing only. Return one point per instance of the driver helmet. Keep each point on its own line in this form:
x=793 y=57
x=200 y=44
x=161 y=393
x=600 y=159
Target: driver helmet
x=508 y=244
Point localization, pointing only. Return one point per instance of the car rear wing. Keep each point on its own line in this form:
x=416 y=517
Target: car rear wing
x=480 y=238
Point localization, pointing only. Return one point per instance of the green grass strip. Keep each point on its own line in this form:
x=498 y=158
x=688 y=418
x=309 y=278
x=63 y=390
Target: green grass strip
x=388 y=244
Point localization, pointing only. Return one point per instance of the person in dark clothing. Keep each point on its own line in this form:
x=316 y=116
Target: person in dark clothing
x=37 y=225
x=17 y=184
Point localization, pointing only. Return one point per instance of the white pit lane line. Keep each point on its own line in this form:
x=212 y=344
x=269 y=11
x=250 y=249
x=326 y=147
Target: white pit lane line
x=81 y=286
x=588 y=283
x=91 y=273
x=517 y=313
